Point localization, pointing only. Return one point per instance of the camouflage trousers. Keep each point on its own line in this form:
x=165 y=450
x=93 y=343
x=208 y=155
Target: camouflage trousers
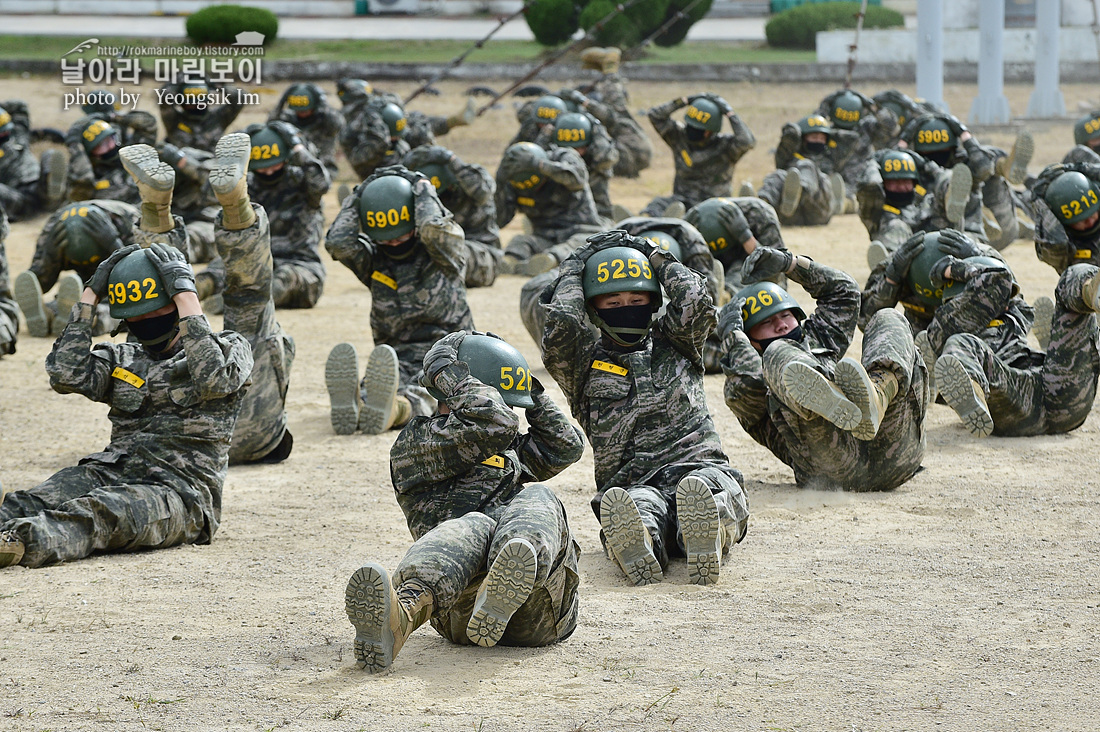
x=201 y=236
x=525 y=246
x=815 y=207
x=657 y=506
x=482 y=261
x=657 y=207
x=98 y=506
x=249 y=310
x=1055 y=396
x=297 y=284
x=530 y=311
x=410 y=362
x=453 y=558
x=997 y=196
x=635 y=149
x=825 y=457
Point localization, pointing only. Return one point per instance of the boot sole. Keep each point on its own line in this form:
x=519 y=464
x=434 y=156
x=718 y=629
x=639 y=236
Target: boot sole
x=697 y=514
x=382 y=377
x=792 y=194
x=232 y=153
x=674 y=210
x=368 y=603
x=1044 y=317
x=746 y=190
x=537 y=264
x=69 y=290
x=55 y=166
x=840 y=192
x=958 y=194
x=145 y=166
x=28 y=293
x=852 y=379
x=1022 y=152
x=876 y=253
x=929 y=356
x=958 y=391
x=11 y=552
x=342 y=381
x=812 y=391
x=506 y=587
x=626 y=538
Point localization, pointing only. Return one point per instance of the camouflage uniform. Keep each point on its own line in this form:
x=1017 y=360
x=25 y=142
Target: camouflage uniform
x=471 y=201
x=192 y=199
x=816 y=206
x=9 y=310
x=365 y=138
x=159 y=481
x=21 y=193
x=559 y=210
x=319 y=130
x=530 y=126
x=1081 y=154
x=892 y=225
x=200 y=130
x=822 y=455
x=1053 y=245
x=599 y=158
x=644 y=410
x=414 y=301
x=610 y=104
x=108 y=182
x=460 y=482
x=1028 y=392
x=703 y=171
x=875 y=128
x=134 y=128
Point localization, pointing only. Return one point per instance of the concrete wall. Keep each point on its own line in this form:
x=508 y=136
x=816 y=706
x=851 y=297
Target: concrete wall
x=334 y=8
x=960 y=46
x=964 y=13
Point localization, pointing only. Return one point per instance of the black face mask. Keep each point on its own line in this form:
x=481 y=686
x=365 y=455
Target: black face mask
x=942 y=158
x=4 y=138
x=156 y=334
x=1088 y=234
x=402 y=251
x=695 y=135
x=900 y=199
x=792 y=335
x=628 y=325
x=815 y=148
x=110 y=156
x=269 y=178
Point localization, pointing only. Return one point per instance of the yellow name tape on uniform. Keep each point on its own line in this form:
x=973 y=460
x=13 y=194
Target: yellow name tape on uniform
x=914 y=306
x=994 y=323
x=609 y=368
x=920 y=190
x=1083 y=254
x=128 y=376
x=891 y=209
x=102 y=184
x=524 y=201
x=184 y=127
x=686 y=157
x=800 y=156
x=495 y=461
x=386 y=280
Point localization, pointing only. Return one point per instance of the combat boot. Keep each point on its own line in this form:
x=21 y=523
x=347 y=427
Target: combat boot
x=505 y=588
x=964 y=395
x=871 y=391
x=746 y=190
x=993 y=231
x=229 y=180
x=620 y=212
x=627 y=539
x=342 y=192
x=155 y=181
x=701 y=528
x=929 y=355
x=11 y=549
x=342 y=382
x=537 y=264
x=876 y=253
x=1090 y=293
x=958 y=195
x=813 y=392
x=69 y=290
x=205 y=285
x=612 y=57
x=465 y=117
x=840 y=194
x=55 y=166
x=1013 y=167
x=592 y=58
x=382 y=408
x=792 y=194
x=1044 y=318
x=383 y=617
x=28 y=293
x=674 y=210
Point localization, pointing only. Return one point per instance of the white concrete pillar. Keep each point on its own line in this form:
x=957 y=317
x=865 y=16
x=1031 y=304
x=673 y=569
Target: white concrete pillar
x=930 y=50
x=990 y=107
x=1047 y=100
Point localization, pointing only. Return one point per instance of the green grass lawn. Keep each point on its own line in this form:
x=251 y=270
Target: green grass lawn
x=52 y=47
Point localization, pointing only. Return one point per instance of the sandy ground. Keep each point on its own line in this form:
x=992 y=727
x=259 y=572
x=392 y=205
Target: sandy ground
x=965 y=599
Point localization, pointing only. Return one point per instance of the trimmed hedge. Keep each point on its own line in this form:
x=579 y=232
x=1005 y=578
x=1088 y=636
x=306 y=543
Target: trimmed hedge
x=678 y=31
x=552 y=21
x=798 y=27
x=222 y=23
x=555 y=21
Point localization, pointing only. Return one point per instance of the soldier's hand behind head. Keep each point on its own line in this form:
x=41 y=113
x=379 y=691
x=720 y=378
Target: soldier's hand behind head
x=957 y=244
x=172 y=266
x=898 y=267
x=441 y=355
x=937 y=275
x=729 y=318
x=765 y=263
x=99 y=280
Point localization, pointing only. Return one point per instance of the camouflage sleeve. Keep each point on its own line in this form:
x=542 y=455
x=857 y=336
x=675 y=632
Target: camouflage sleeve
x=544 y=137
x=505 y=201
x=8 y=307
x=986 y=296
x=689 y=310
x=438 y=448
x=785 y=151
x=280 y=111
x=740 y=141
x=882 y=127
x=878 y=293
x=1051 y=243
x=734 y=221
x=441 y=236
x=600 y=111
x=566 y=334
x=19 y=111
x=660 y=118
x=474 y=180
x=833 y=323
x=370 y=141
x=565 y=168
x=169 y=115
x=344 y=243
x=74 y=367
x=552 y=443
x=316 y=182
x=763 y=222
x=219 y=363
x=745 y=390
x=46 y=262
x=227 y=113
x=603 y=150
x=980 y=159
x=142 y=126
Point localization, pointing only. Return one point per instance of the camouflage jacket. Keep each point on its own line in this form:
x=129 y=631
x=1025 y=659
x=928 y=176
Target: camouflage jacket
x=320 y=131
x=366 y=141
x=471 y=201
x=9 y=309
x=838 y=150
x=133 y=127
x=293 y=204
x=644 y=411
x=49 y=259
x=705 y=171
x=557 y=207
x=1052 y=244
x=599 y=158
x=204 y=130
x=175 y=415
x=743 y=219
x=414 y=301
x=476 y=458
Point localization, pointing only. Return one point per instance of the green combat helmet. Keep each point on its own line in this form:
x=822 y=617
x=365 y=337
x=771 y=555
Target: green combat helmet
x=897 y=165
x=665 y=241
x=87 y=234
x=100 y=102
x=919 y=276
x=440 y=176
x=763 y=300
x=520 y=163
x=1072 y=197
x=955 y=288
x=134 y=287
x=268 y=149
x=547 y=108
x=846 y=111
x=933 y=136
x=394 y=117
x=703 y=114
x=350 y=90
x=1087 y=129
x=387 y=209
x=6 y=125
x=496 y=363
x=619 y=269
x=302 y=98
x=572 y=129
x=96 y=132
x=710 y=217
x=815 y=123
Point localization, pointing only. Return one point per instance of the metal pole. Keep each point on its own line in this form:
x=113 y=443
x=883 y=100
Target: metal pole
x=1047 y=100
x=930 y=50
x=991 y=106
x=853 y=49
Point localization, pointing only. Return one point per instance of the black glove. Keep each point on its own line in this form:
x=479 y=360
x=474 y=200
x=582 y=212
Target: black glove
x=867 y=101
x=7 y=336
x=1045 y=178
x=765 y=263
x=937 y=274
x=721 y=103
x=441 y=355
x=954 y=124
x=607 y=239
x=729 y=318
x=957 y=244
x=172 y=266
x=287 y=131
x=536 y=385
x=898 y=267
x=171 y=154
x=575 y=96
x=97 y=283
x=646 y=246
